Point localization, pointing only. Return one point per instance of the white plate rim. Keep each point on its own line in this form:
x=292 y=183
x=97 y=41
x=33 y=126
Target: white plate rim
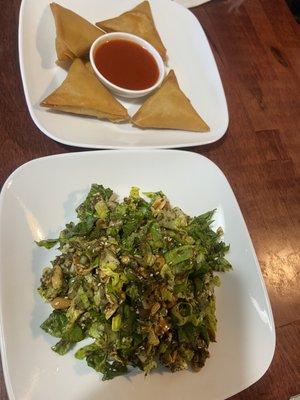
x=191 y=3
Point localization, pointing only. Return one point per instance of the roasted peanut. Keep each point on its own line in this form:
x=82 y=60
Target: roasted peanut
x=155 y=308
x=57 y=277
x=60 y=303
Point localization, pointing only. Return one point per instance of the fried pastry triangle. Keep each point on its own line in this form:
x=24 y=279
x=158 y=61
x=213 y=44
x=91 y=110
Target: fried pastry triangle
x=82 y=93
x=169 y=108
x=74 y=34
x=138 y=21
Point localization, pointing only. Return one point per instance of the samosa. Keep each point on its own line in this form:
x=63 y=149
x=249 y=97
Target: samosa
x=74 y=34
x=138 y=21
x=82 y=93
x=169 y=108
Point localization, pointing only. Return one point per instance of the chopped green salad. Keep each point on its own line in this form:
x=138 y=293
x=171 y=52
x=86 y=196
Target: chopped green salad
x=137 y=278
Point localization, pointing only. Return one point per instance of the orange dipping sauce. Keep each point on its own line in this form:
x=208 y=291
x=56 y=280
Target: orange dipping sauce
x=126 y=64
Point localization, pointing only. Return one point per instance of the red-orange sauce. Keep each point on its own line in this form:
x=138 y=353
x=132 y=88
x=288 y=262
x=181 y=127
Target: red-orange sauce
x=126 y=64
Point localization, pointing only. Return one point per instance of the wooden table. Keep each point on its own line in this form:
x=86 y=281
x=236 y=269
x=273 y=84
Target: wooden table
x=256 y=44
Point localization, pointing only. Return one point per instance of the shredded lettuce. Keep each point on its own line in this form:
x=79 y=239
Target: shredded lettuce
x=137 y=277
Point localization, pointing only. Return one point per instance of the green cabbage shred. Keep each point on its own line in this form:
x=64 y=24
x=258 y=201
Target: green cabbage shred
x=136 y=277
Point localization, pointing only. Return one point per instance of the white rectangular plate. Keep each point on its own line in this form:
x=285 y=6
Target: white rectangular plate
x=189 y=55
x=36 y=202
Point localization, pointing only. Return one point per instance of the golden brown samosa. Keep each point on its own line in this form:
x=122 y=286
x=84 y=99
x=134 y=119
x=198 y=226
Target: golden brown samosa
x=138 y=21
x=82 y=93
x=169 y=108
x=74 y=34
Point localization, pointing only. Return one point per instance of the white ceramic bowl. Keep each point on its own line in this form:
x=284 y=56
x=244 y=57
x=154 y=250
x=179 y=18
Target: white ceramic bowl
x=135 y=39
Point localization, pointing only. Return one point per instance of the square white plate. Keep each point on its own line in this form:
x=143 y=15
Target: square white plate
x=189 y=55
x=36 y=202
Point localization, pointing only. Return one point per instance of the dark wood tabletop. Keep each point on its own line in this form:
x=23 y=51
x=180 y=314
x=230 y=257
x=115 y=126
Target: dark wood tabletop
x=256 y=44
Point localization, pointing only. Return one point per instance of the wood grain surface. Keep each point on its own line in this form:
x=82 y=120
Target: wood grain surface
x=256 y=44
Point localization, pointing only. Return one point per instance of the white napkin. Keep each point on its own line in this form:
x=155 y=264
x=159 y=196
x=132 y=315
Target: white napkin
x=191 y=3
